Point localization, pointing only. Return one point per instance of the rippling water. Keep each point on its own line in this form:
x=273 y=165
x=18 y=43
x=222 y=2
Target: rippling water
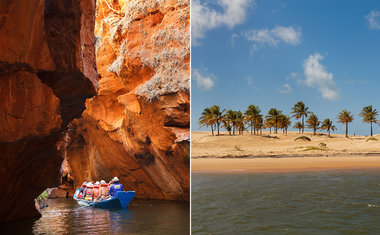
x=64 y=216
x=323 y=202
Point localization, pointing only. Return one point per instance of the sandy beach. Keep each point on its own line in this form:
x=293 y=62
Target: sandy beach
x=282 y=152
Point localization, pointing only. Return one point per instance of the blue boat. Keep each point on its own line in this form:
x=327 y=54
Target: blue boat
x=121 y=200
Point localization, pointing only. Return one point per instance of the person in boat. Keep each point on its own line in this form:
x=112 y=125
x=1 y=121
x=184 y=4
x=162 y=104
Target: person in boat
x=88 y=196
x=96 y=191
x=82 y=190
x=110 y=183
x=116 y=187
x=104 y=191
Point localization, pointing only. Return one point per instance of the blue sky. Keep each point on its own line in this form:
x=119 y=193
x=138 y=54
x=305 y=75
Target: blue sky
x=275 y=53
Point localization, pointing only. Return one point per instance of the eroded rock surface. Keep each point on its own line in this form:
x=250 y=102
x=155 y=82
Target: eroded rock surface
x=137 y=127
x=47 y=71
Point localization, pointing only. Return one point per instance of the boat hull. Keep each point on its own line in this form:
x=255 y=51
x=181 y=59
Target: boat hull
x=121 y=200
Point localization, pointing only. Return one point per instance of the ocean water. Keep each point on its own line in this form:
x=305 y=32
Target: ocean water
x=64 y=216
x=318 y=202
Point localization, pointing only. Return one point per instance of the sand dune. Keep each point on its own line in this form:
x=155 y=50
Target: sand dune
x=282 y=152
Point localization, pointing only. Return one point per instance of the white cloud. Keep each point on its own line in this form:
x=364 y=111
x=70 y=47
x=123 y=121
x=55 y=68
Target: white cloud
x=285 y=89
x=296 y=77
x=373 y=19
x=288 y=34
x=293 y=75
x=204 y=79
x=317 y=76
x=253 y=50
x=274 y=36
x=261 y=36
x=250 y=82
x=233 y=38
x=204 y=18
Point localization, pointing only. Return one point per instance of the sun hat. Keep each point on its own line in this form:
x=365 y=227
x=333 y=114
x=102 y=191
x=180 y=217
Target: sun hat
x=115 y=179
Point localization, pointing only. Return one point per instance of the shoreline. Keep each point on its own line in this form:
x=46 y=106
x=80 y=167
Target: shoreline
x=285 y=155
x=285 y=164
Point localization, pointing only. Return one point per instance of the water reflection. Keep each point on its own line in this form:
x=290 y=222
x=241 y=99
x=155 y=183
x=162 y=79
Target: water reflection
x=64 y=216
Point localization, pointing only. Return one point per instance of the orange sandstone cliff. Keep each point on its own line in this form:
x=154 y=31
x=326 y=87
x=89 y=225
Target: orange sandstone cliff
x=47 y=71
x=137 y=126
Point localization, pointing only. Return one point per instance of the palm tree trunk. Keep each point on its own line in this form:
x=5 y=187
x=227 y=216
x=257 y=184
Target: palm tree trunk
x=346 y=129
x=329 y=132
x=303 y=124
x=371 y=128
x=212 y=129
x=276 y=128
x=217 y=123
x=251 y=127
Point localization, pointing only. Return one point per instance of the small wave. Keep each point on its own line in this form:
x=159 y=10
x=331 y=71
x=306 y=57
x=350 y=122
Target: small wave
x=371 y=205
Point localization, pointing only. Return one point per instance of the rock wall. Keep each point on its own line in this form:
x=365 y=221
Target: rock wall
x=137 y=127
x=47 y=71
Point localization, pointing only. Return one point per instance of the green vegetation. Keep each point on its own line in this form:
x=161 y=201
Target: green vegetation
x=345 y=117
x=303 y=138
x=322 y=145
x=300 y=111
x=43 y=195
x=370 y=138
x=238 y=148
x=236 y=122
x=213 y=117
x=327 y=125
x=310 y=148
x=313 y=122
x=369 y=115
x=274 y=116
x=252 y=115
x=298 y=126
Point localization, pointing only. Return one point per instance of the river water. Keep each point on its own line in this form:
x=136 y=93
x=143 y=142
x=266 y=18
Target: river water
x=64 y=216
x=320 y=202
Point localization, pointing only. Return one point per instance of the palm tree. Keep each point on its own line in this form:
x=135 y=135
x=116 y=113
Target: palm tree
x=217 y=115
x=298 y=126
x=313 y=122
x=268 y=123
x=300 y=111
x=229 y=121
x=327 y=124
x=240 y=122
x=369 y=115
x=207 y=119
x=284 y=123
x=251 y=114
x=345 y=117
x=259 y=123
x=274 y=115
